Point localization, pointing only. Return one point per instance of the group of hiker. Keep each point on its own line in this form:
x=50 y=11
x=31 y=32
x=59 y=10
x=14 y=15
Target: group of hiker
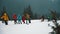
x=26 y=17
x=15 y=17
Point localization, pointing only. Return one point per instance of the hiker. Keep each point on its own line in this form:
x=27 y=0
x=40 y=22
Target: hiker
x=42 y=18
x=5 y=18
x=15 y=18
x=28 y=19
x=23 y=18
x=19 y=18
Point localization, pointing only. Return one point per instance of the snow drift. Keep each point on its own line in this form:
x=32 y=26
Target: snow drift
x=35 y=27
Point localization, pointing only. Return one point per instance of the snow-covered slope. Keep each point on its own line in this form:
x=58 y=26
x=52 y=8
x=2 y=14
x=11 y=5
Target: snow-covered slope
x=35 y=27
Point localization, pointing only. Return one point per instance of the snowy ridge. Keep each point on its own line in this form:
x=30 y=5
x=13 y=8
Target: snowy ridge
x=35 y=27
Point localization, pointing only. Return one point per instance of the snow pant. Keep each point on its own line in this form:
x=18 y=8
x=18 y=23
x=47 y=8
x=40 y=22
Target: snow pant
x=23 y=21
x=15 y=21
x=6 y=22
x=19 y=22
x=29 y=21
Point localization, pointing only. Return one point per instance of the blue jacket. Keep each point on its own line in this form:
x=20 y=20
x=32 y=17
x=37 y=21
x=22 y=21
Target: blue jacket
x=19 y=18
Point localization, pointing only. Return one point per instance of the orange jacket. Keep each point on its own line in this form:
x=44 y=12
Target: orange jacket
x=5 y=17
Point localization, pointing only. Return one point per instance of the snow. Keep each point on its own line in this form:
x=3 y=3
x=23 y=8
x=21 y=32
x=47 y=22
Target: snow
x=35 y=27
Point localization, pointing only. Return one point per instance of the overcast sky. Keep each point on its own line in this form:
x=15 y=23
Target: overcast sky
x=37 y=6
